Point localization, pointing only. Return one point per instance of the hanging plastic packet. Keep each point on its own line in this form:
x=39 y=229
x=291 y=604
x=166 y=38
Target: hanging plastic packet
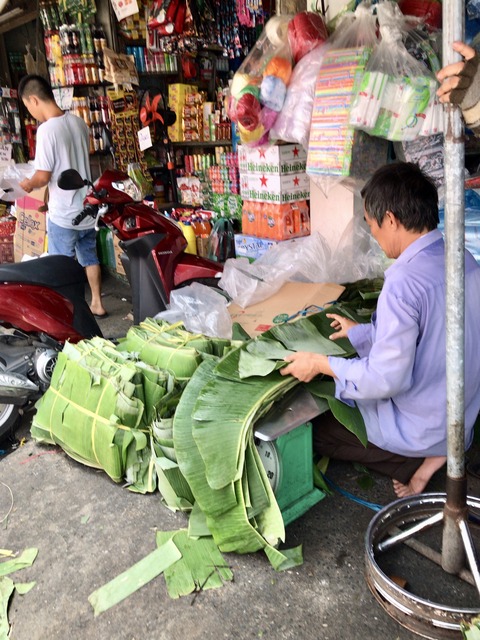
x=396 y=98
x=332 y=138
x=221 y=242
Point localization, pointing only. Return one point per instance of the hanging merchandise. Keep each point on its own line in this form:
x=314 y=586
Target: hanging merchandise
x=124 y=8
x=86 y=8
x=306 y=30
x=396 y=98
x=294 y=120
x=119 y=68
x=333 y=141
x=259 y=88
x=221 y=243
x=168 y=16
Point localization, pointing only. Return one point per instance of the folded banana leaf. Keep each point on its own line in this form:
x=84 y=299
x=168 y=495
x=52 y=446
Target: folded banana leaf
x=100 y=407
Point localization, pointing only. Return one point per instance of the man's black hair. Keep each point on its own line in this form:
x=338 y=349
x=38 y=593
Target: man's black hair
x=403 y=189
x=33 y=85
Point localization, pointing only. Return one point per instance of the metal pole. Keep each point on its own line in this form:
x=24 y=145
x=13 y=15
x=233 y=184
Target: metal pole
x=453 y=554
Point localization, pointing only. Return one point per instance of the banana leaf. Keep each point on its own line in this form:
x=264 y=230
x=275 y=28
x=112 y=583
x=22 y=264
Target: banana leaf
x=135 y=577
x=350 y=417
x=100 y=407
x=303 y=335
x=252 y=365
x=268 y=349
x=201 y=566
x=7 y=588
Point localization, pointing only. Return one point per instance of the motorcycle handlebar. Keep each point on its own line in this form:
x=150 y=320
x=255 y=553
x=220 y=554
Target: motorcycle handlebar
x=89 y=210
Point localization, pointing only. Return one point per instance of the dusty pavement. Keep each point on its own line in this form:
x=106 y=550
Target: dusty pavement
x=88 y=530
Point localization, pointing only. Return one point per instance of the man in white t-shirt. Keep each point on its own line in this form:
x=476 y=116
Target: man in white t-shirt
x=62 y=143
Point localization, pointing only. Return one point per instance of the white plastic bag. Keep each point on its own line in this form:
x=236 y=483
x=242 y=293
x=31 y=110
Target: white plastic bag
x=302 y=259
x=10 y=177
x=293 y=122
x=201 y=309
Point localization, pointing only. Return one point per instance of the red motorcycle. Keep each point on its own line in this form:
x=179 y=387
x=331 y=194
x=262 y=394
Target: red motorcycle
x=153 y=244
x=42 y=304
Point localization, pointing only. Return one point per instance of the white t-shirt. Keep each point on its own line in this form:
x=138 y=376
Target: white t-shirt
x=63 y=143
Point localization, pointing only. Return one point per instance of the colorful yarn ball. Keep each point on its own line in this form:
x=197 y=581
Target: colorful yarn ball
x=248 y=111
x=272 y=92
x=279 y=67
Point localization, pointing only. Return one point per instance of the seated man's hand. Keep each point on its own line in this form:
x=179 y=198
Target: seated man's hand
x=304 y=366
x=341 y=325
x=457 y=79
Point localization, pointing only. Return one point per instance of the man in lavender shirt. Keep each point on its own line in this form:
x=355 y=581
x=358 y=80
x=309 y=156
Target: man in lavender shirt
x=398 y=379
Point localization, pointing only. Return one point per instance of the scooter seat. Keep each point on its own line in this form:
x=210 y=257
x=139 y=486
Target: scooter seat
x=52 y=271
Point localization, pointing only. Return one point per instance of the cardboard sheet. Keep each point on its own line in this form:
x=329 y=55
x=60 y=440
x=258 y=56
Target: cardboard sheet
x=292 y=297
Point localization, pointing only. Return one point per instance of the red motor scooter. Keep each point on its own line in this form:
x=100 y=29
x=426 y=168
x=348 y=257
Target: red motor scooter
x=153 y=245
x=42 y=304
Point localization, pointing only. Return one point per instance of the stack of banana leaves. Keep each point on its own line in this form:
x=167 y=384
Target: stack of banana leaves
x=213 y=435
x=177 y=409
x=104 y=400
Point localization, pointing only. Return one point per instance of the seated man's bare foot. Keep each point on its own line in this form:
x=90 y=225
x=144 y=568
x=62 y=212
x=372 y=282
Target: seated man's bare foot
x=420 y=478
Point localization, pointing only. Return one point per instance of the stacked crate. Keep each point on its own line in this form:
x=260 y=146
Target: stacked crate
x=275 y=190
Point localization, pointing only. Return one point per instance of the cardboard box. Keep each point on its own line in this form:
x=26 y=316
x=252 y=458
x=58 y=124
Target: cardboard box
x=292 y=297
x=277 y=159
x=279 y=188
x=276 y=221
x=31 y=227
x=117 y=252
x=251 y=246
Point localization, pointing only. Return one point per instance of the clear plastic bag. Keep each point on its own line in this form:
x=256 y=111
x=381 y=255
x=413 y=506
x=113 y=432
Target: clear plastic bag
x=10 y=177
x=201 y=309
x=293 y=122
x=396 y=98
x=259 y=86
x=357 y=255
x=303 y=260
x=331 y=140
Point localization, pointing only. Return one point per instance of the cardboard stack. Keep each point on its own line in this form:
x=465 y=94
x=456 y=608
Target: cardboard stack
x=31 y=228
x=275 y=190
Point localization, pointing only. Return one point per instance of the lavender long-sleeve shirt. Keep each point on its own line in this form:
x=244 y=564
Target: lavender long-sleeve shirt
x=399 y=379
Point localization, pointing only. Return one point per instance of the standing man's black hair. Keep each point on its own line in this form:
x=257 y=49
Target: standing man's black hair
x=33 y=85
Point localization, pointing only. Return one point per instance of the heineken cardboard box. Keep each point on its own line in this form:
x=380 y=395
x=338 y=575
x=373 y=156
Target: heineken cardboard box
x=31 y=227
x=276 y=159
x=275 y=188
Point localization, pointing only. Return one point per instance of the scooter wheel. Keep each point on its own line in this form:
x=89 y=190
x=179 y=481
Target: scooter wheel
x=9 y=417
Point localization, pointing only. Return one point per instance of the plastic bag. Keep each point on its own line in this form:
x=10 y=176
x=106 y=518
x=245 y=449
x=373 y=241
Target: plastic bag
x=331 y=136
x=396 y=98
x=259 y=86
x=293 y=122
x=221 y=242
x=201 y=309
x=302 y=260
x=248 y=283
x=10 y=177
x=357 y=255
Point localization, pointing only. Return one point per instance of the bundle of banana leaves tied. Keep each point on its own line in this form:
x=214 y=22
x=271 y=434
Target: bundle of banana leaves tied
x=100 y=407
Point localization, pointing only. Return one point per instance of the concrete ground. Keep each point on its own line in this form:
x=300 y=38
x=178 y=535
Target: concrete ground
x=88 y=530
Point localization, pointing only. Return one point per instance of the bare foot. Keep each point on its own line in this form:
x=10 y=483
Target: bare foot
x=420 y=478
x=98 y=310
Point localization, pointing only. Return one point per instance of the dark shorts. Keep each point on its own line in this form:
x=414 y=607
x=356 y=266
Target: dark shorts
x=332 y=439
x=79 y=243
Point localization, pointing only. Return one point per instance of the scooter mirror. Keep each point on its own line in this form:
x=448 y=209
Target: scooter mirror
x=71 y=180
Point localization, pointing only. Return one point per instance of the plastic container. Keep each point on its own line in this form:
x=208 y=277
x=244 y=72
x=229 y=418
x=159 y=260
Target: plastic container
x=190 y=236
